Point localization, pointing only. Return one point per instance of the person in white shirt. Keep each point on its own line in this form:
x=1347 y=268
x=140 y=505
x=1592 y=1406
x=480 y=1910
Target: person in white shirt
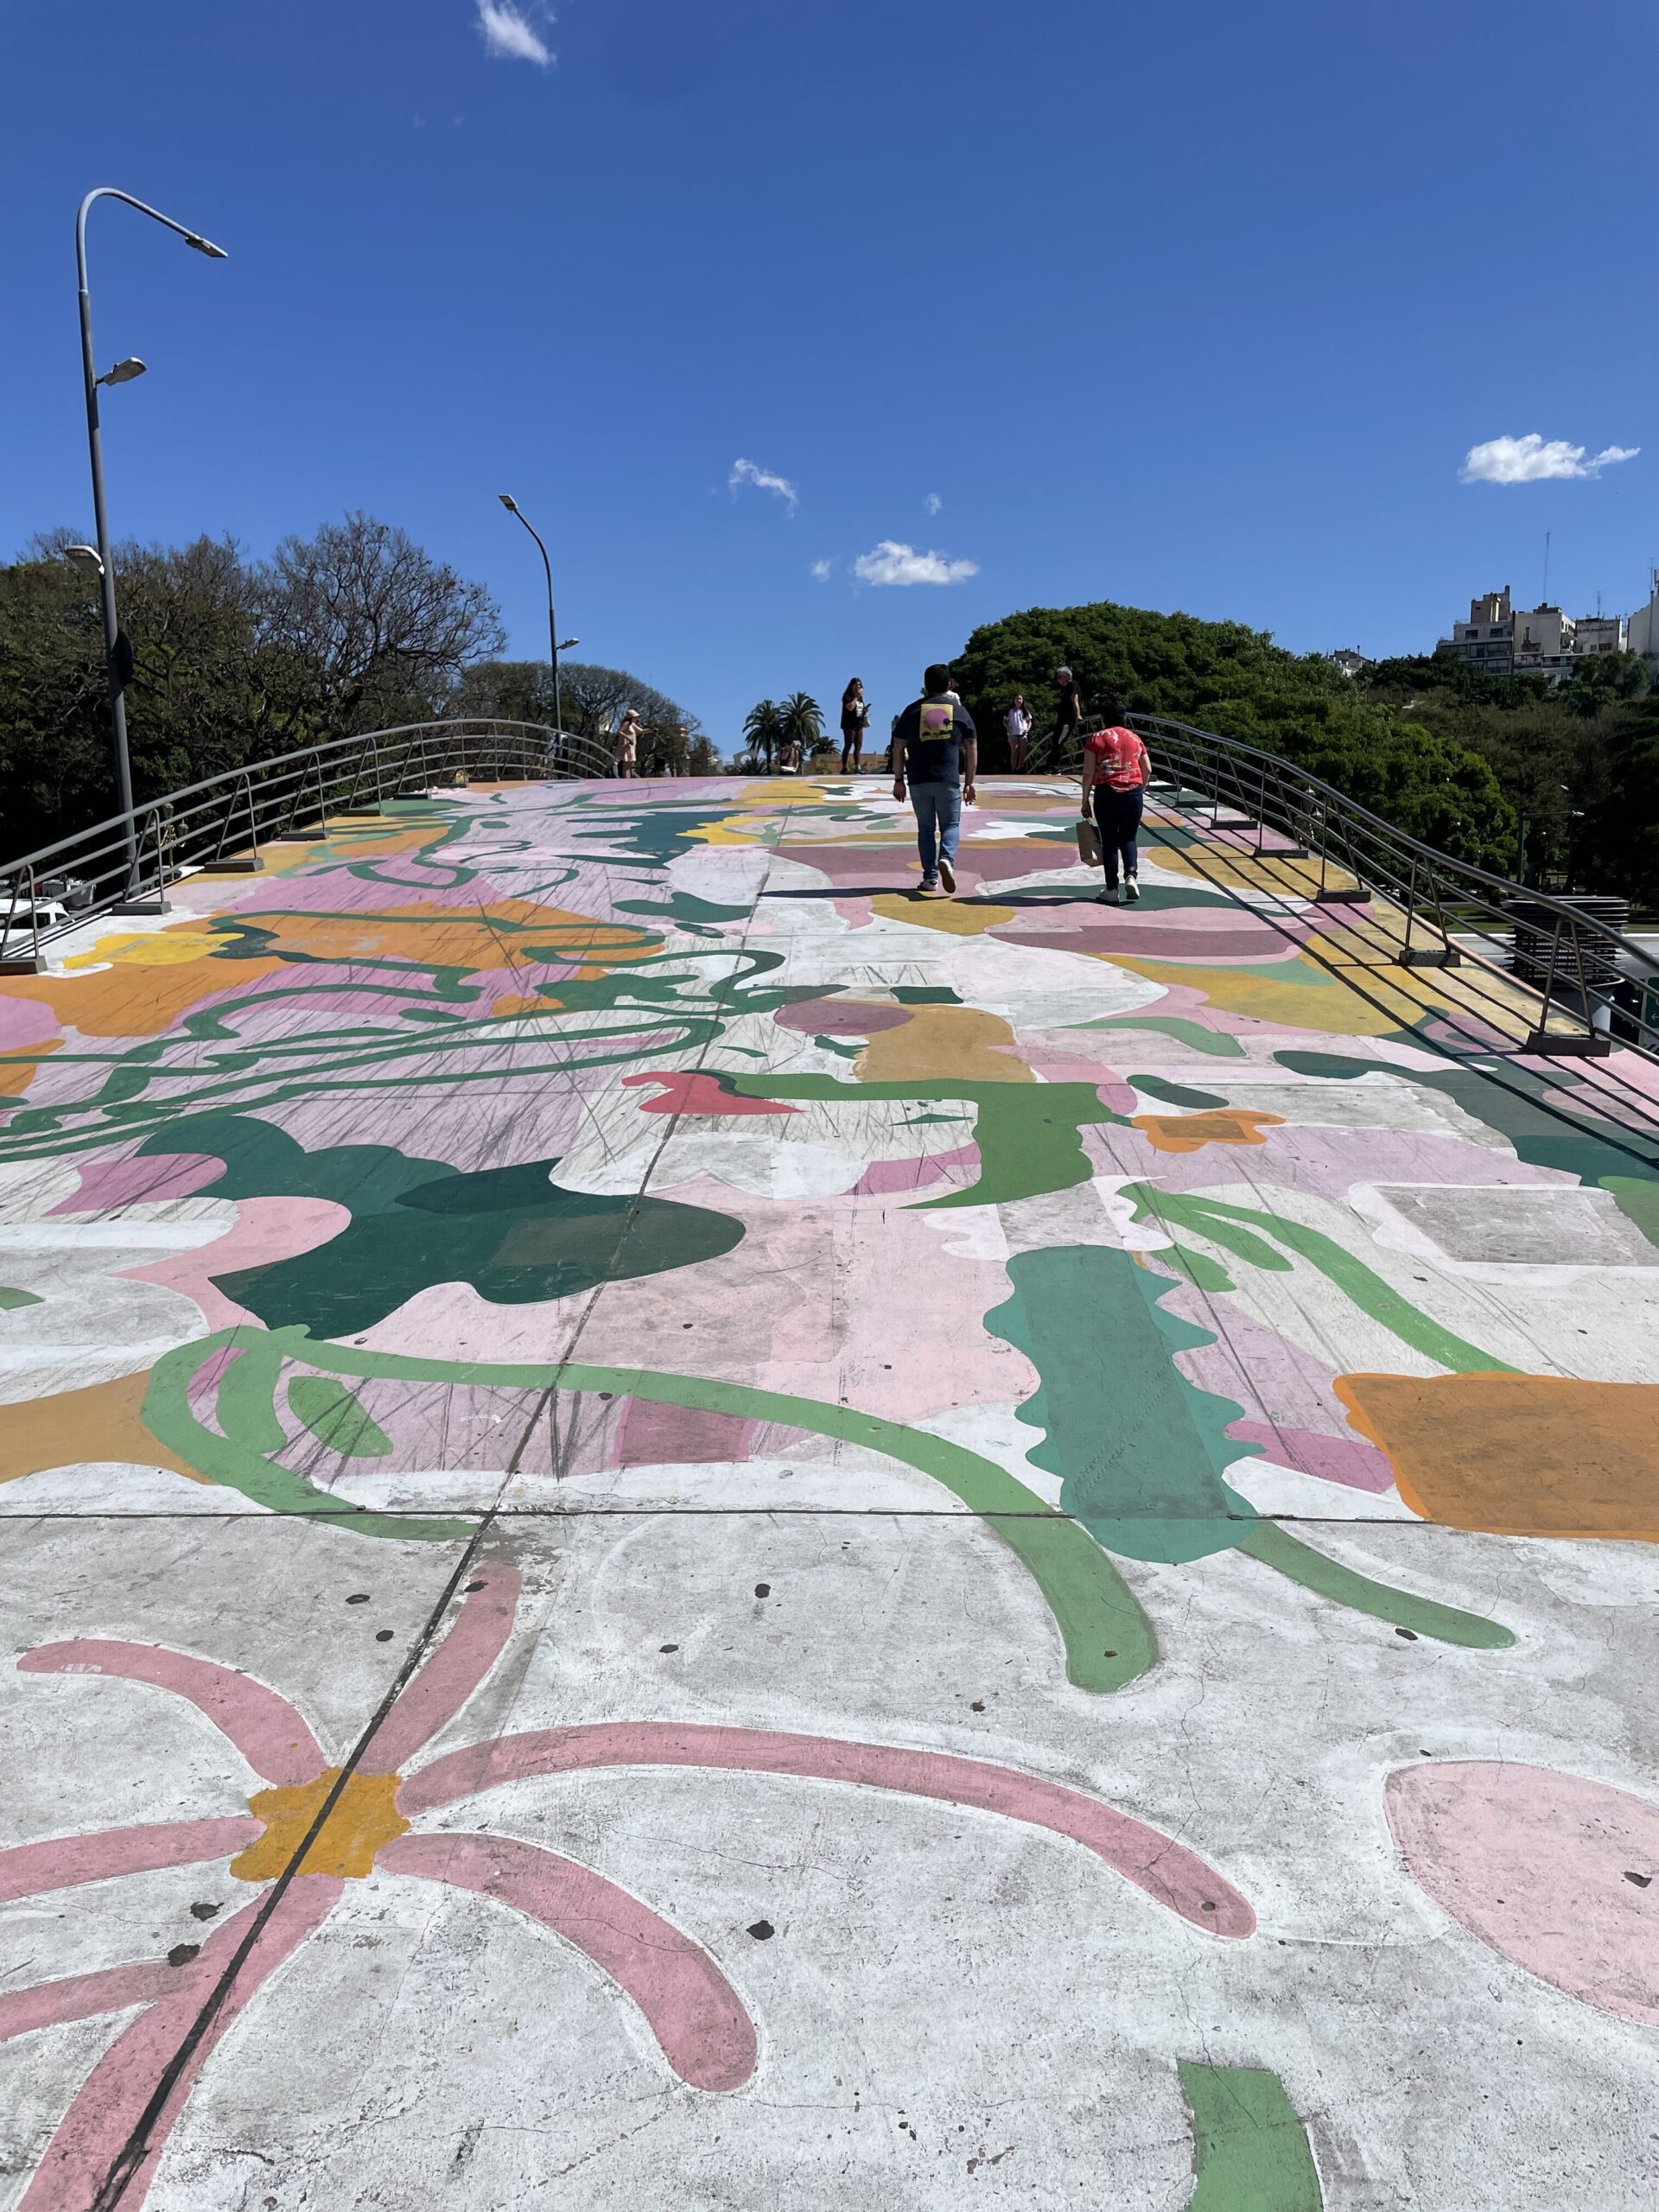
x=1017 y=723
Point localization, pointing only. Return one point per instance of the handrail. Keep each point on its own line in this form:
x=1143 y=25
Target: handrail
x=1599 y=987
x=123 y=865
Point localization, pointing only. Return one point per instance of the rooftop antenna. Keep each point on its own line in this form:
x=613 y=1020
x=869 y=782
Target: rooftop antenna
x=1545 y=600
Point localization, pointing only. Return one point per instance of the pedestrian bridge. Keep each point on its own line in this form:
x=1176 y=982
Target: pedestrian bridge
x=1077 y=1482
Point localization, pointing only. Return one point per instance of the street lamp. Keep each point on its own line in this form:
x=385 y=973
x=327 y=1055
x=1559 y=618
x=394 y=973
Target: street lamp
x=123 y=373
x=555 y=647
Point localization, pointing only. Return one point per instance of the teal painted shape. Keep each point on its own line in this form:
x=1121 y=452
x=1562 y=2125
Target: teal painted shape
x=925 y=995
x=511 y=1232
x=1215 y=1042
x=684 y=907
x=1592 y=1152
x=1156 y=897
x=1139 y=1449
x=654 y=833
x=11 y=1300
x=1173 y=1093
x=1251 y=2153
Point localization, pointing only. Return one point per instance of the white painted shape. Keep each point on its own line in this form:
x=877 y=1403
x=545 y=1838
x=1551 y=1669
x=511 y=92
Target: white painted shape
x=1288 y=1493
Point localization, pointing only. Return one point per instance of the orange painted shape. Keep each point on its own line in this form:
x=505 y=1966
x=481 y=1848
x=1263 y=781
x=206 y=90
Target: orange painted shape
x=364 y=1820
x=16 y=1076
x=940 y=1043
x=971 y=917
x=104 y=1421
x=473 y=939
x=1192 y=1132
x=141 y=997
x=1517 y=1455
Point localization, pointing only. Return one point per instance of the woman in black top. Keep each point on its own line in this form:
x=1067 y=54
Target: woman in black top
x=855 y=714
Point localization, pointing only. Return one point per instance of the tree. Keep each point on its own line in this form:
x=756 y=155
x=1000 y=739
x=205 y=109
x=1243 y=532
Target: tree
x=380 y=629
x=55 y=772
x=1619 y=841
x=800 y=721
x=763 y=726
x=355 y=628
x=1605 y=680
x=1236 y=681
x=591 y=698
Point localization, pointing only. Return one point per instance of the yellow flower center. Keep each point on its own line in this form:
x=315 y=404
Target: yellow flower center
x=363 y=1819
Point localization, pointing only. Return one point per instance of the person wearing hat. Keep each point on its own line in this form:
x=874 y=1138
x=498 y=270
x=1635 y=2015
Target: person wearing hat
x=628 y=744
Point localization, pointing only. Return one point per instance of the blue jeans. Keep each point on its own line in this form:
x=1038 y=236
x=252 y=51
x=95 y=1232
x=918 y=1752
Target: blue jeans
x=938 y=820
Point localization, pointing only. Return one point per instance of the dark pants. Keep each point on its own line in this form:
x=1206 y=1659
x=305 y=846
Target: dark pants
x=1117 y=818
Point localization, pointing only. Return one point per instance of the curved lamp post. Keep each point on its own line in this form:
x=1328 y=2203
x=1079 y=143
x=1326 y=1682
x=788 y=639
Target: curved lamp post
x=123 y=373
x=513 y=508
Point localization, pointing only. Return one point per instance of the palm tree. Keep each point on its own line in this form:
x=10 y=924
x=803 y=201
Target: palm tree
x=801 y=724
x=763 y=726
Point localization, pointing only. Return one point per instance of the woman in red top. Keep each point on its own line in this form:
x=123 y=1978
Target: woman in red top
x=1115 y=770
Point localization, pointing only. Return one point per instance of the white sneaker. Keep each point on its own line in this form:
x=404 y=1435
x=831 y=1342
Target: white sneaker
x=1106 y=898
x=1132 y=891
x=947 y=874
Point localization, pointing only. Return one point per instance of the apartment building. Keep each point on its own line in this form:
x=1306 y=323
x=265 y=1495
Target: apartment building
x=1500 y=639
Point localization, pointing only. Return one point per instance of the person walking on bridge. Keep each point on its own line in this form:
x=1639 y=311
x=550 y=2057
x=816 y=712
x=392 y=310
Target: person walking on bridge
x=1068 y=727
x=935 y=749
x=1114 y=770
x=854 y=717
x=627 y=743
x=1016 y=725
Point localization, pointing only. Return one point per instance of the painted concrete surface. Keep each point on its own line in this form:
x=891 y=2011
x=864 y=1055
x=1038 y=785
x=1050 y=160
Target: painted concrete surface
x=679 y=1529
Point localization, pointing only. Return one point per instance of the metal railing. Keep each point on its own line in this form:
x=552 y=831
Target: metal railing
x=220 y=827
x=1398 y=904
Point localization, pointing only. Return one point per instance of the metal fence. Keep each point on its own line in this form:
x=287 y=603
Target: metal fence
x=1397 y=906
x=220 y=826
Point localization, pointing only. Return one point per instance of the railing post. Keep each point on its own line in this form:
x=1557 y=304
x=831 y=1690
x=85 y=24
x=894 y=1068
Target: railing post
x=12 y=961
x=134 y=902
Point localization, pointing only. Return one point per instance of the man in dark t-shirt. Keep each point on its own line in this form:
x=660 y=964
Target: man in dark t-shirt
x=935 y=749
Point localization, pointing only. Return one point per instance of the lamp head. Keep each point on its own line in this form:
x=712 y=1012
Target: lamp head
x=206 y=245
x=565 y=644
x=508 y=502
x=84 y=557
x=124 y=371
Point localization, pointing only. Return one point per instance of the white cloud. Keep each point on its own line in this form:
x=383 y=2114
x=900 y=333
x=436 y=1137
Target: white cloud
x=510 y=35
x=746 y=472
x=1533 y=460
x=821 y=570
x=932 y=503
x=891 y=564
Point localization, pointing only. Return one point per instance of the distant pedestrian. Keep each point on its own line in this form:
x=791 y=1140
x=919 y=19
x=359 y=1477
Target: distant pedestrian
x=936 y=748
x=1017 y=725
x=1115 y=770
x=855 y=719
x=1068 y=727
x=628 y=744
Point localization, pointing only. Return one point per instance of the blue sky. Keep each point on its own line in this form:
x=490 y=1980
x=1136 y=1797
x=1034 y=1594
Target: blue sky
x=1196 y=307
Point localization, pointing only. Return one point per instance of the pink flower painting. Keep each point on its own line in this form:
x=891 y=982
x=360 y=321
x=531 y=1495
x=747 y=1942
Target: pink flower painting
x=313 y=1827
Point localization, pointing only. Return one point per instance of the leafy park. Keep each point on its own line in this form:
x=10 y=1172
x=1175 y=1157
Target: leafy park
x=357 y=627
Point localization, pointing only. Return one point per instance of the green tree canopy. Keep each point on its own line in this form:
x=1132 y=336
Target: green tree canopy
x=1236 y=681
x=763 y=730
